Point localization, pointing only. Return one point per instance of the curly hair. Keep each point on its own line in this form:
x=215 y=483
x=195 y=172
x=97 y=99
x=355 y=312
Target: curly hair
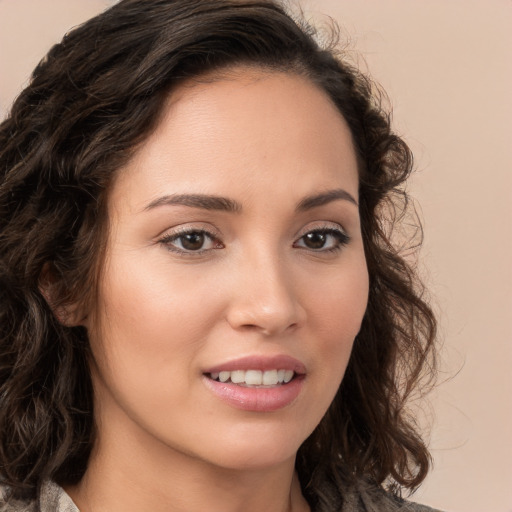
x=91 y=101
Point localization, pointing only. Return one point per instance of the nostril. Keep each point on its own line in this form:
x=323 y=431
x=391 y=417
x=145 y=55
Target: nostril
x=265 y=329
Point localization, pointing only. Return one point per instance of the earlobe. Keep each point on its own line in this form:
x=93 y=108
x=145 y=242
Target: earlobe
x=67 y=313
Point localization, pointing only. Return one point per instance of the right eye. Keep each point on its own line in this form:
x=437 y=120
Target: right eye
x=191 y=241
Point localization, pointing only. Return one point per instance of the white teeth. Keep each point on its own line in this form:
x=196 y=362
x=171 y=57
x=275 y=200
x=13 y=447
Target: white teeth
x=254 y=377
x=270 y=378
x=237 y=376
x=224 y=376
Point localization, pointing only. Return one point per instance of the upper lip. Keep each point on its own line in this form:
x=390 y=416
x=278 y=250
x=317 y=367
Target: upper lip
x=260 y=362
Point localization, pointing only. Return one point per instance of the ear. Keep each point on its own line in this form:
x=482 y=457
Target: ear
x=68 y=314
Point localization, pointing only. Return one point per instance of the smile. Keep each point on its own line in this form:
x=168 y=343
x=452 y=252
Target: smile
x=257 y=383
x=254 y=378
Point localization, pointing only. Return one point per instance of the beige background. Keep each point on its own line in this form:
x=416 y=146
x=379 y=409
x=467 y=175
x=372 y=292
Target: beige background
x=446 y=65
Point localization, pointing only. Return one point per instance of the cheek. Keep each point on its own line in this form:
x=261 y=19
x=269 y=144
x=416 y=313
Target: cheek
x=339 y=305
x=149 y=324
x=337 y=314
x=155 y=303
x=148 y=329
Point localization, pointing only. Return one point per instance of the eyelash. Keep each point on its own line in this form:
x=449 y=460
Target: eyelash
x=170 y=239
x=341 y=240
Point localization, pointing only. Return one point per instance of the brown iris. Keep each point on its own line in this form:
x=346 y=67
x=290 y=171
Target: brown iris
x=315 y=240
x=192 y=241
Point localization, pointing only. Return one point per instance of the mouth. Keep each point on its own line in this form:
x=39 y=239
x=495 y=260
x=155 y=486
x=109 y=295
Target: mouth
x=254 y=378
x=257 y=383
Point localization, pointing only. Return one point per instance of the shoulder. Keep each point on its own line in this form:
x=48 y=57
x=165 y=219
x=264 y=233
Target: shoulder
x=367 y=497
x=400 y=505
x=408 y=506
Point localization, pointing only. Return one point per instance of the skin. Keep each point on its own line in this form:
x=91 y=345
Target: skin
x=165 y=314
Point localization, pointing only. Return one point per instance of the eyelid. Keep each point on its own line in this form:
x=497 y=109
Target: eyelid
x=187 y=227
x=321 y=226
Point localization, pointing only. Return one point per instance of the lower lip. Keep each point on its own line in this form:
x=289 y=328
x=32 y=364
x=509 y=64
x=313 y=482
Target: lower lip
x=256 y=399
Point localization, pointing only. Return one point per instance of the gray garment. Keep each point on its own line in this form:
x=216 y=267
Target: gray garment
x=54 y=499
x=51 y=499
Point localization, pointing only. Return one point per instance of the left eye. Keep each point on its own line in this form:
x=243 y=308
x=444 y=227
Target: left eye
x=191 y=241
x=323 y=240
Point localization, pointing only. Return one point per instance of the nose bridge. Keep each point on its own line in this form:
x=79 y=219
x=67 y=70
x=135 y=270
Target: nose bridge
x=265 y=297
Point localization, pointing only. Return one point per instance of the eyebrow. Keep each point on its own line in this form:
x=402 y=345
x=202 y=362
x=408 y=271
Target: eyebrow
x=324 y=198
x=218 y=203
x=203 y=201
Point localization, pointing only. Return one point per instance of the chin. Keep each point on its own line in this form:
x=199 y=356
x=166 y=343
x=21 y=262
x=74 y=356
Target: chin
x=256 y=459
x=257 y=450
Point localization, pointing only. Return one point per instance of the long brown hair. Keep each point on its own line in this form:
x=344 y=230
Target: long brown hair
x=90 y=102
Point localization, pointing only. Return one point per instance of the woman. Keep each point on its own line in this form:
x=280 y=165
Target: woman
x=201 y=305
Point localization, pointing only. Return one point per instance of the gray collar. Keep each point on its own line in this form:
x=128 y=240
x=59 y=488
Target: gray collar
x=54 y=498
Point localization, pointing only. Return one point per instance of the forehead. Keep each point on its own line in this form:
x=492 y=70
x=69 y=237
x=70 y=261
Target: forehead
x=246 y=127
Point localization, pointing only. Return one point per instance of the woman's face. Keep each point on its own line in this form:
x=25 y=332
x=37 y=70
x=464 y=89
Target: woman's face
x=234 y=264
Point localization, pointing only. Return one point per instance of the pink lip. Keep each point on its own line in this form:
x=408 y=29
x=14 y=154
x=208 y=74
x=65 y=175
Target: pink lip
x=258 y=399
x=279 y=362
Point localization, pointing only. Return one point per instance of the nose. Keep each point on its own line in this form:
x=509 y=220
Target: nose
x=265 y=297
